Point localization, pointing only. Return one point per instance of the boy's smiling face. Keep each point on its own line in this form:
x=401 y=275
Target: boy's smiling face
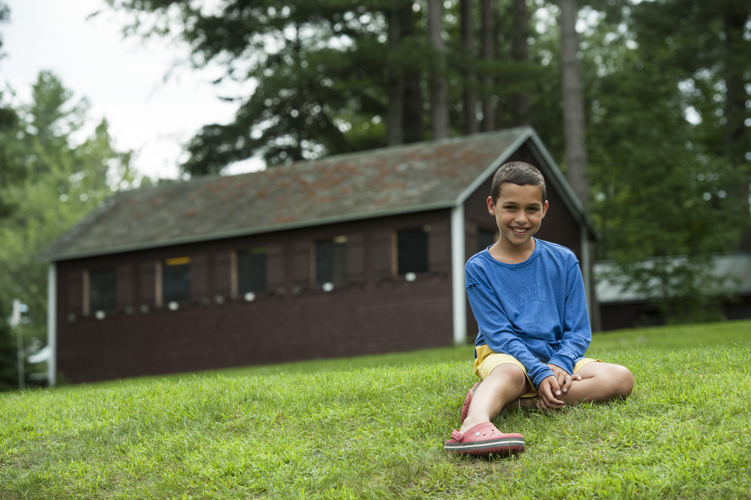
x=518 y=211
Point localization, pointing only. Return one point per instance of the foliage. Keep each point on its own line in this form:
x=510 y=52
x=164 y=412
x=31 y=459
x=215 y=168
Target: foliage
x=66 y=172
x=662 y=193
x=9 y=170
x=377 y=433
x=312 y=63
x=321 y=72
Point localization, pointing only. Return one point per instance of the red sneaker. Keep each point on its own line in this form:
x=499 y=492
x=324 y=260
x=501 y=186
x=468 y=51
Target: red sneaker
x=482 y=440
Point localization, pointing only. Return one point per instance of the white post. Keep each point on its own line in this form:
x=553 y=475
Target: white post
x=459 y=294
x=52 y=324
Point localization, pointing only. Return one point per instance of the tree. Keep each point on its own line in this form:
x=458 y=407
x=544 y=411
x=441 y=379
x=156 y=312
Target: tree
x=439 y=116
x=395 y=89
x=10 y=171
x=63 y=180
x=487 y=47
x=708 y=44
x=520 y=54
x=323 y=72
x=573 y=103
x=407 y=57
x=662 y=198
x=469 y=94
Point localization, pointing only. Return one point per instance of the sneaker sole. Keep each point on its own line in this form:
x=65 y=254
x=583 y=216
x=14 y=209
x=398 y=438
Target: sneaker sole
x=505 y=445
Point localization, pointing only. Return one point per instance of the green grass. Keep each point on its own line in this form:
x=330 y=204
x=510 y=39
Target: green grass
x=373 y=427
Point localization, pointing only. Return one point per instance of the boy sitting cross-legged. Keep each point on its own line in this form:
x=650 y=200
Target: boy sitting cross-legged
x=528 y=298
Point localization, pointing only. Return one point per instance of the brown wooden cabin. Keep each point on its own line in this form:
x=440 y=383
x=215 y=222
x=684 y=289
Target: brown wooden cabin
x=355 y=254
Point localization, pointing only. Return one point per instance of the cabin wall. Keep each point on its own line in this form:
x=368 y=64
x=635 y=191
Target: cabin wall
x=376 y=311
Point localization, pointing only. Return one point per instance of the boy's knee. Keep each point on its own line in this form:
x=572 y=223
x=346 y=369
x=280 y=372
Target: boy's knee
x=623 y=380
x=510 y=373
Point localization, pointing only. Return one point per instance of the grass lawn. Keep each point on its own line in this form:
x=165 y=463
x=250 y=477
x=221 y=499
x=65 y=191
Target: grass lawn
x=373 y=427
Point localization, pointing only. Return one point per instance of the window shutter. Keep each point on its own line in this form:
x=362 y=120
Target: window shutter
x=382 y=255
x=124 y=286
x=275 y=267
x=75 y=292
x=198 y=277
x=148 y=283
x=439 y=248
x=355 y=258
x=223 y=273
x=301 y=275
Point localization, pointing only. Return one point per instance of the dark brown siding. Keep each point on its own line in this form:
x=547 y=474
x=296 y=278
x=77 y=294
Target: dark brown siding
x=75 y=292
x=356 y=258
x=148 y=282
x=221 y=276
x=198 y=277
x=440 y=247
x=124 y=293
x=559 y=225
x=375 y=312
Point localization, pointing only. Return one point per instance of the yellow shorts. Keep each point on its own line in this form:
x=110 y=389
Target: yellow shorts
x=487 y=360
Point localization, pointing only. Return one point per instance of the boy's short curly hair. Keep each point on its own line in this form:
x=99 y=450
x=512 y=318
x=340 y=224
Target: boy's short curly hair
x=519 y=173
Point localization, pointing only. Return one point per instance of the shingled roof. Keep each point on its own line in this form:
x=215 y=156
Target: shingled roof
x=394 y=180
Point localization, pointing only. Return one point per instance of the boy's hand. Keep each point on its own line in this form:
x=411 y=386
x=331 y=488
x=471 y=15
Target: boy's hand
x=554 y=386
x=546 y=394
x=564 y=379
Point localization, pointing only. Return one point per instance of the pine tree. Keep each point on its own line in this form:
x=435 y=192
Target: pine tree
x=64 y=179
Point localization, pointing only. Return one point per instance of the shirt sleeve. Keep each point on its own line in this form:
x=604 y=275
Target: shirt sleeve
x=577 y=333
x=498 y=331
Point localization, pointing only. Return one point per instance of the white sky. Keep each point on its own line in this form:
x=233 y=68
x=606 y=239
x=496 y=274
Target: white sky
x=123 y=79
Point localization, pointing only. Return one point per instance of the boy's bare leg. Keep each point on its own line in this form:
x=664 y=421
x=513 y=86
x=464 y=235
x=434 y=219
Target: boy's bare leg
x=506 y=383
x=600 y=382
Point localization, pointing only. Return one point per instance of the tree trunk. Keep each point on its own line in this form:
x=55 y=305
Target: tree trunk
x=468 y=47
x=486 y=35
x=439 y=115
x=520 y=54
x=573 y=103
x=395 y=118
x=412 y=115
x=573 y=123
x=735 y=96
x=735 y=143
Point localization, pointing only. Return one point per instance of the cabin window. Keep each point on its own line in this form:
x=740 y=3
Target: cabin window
x=485 y=238
x=331 y=261
x=176 y=280
x=251 y=270
x=102 y=286
x=412 y=250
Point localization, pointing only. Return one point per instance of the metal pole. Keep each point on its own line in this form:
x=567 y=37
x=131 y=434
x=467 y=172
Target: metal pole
x=21 y=374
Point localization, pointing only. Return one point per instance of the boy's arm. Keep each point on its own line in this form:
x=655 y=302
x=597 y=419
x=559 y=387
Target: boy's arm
x=499 y=334
x=577 y=333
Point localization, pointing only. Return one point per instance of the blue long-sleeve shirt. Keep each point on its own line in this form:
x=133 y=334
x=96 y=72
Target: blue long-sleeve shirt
x=536 y=310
